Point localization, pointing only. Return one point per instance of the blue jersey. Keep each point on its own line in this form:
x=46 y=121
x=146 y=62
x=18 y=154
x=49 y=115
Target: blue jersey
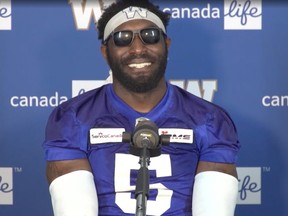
x=91 y=125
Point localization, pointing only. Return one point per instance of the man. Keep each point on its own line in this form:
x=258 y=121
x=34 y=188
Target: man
x=89 y=168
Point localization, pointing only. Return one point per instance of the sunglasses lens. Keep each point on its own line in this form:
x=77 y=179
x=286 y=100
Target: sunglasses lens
x=123 y=38
x=150 y=36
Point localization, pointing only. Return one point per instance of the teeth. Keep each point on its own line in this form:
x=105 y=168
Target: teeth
x=141 y=65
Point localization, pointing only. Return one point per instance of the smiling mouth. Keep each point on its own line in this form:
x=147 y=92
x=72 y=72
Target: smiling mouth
x=139 y=65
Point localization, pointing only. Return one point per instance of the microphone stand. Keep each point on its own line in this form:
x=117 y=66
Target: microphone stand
x=142 y=183
x=145 y=143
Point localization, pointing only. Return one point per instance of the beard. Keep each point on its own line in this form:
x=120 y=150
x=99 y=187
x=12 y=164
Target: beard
x=141 y=84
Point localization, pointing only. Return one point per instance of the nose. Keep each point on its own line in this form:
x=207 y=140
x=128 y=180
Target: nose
x=137 y=46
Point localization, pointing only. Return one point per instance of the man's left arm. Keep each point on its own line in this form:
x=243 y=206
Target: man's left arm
x=215 y=189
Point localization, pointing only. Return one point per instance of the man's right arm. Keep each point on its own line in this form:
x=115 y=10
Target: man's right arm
x=56 y=169
x=72 y=188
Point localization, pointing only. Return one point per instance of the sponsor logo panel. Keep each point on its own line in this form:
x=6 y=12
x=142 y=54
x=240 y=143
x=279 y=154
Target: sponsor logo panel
x=238 y=14
x=249 y=185
x=6 y=186
x=242 y=14
x=81 y=86
x=5 y=15
x=202 y=88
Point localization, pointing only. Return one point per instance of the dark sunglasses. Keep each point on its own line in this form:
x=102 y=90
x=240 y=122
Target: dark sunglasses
x=126 y=37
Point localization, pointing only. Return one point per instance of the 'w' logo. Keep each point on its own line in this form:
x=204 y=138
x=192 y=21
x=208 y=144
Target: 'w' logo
x=131 y=12
x=85 y=10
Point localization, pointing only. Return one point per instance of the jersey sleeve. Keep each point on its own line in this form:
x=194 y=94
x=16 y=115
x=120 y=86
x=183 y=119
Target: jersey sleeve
x=217 y=139
x=65 y=137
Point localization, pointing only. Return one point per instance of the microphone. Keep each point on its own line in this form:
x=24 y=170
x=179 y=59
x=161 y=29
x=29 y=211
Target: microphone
x=146 y=136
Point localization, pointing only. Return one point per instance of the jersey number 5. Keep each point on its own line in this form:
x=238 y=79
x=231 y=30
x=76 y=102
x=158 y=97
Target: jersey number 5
x=124 y=163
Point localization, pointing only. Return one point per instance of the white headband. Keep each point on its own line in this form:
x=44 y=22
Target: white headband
x=128 y=14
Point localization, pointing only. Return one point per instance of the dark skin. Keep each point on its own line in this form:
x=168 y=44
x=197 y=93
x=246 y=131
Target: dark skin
x=141 y=102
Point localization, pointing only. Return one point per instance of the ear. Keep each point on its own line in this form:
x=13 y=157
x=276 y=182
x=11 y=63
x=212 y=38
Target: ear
x=104 y=51
x=168 y=42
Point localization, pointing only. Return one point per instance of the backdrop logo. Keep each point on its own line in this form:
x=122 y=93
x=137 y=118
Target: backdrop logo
x=249 y=185
x=81 y=86
x=201 y=88
x=5 y=14
x=275 y=101
x=85 y=10
x=6 y=186
x=242 y=14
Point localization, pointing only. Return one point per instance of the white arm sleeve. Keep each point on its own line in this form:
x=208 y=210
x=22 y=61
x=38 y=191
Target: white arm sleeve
x=214 y=194
x=74 y=194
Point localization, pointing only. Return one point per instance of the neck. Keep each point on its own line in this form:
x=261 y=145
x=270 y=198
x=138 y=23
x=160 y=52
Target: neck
x=141 y=102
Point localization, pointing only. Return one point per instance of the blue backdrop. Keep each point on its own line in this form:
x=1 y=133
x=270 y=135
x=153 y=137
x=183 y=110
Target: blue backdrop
x=233 y=53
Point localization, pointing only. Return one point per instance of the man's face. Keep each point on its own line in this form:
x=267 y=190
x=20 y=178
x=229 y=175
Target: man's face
x=138 y=67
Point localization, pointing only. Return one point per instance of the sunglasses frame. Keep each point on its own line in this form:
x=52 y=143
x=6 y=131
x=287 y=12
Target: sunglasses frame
x=134 y=32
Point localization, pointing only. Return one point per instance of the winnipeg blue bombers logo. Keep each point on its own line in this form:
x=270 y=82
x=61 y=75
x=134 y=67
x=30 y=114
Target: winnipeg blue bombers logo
x=132 y=12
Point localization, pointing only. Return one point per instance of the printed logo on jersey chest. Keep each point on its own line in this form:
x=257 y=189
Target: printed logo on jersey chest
x=178 y=135
x=112 y=135
x=106 y=135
